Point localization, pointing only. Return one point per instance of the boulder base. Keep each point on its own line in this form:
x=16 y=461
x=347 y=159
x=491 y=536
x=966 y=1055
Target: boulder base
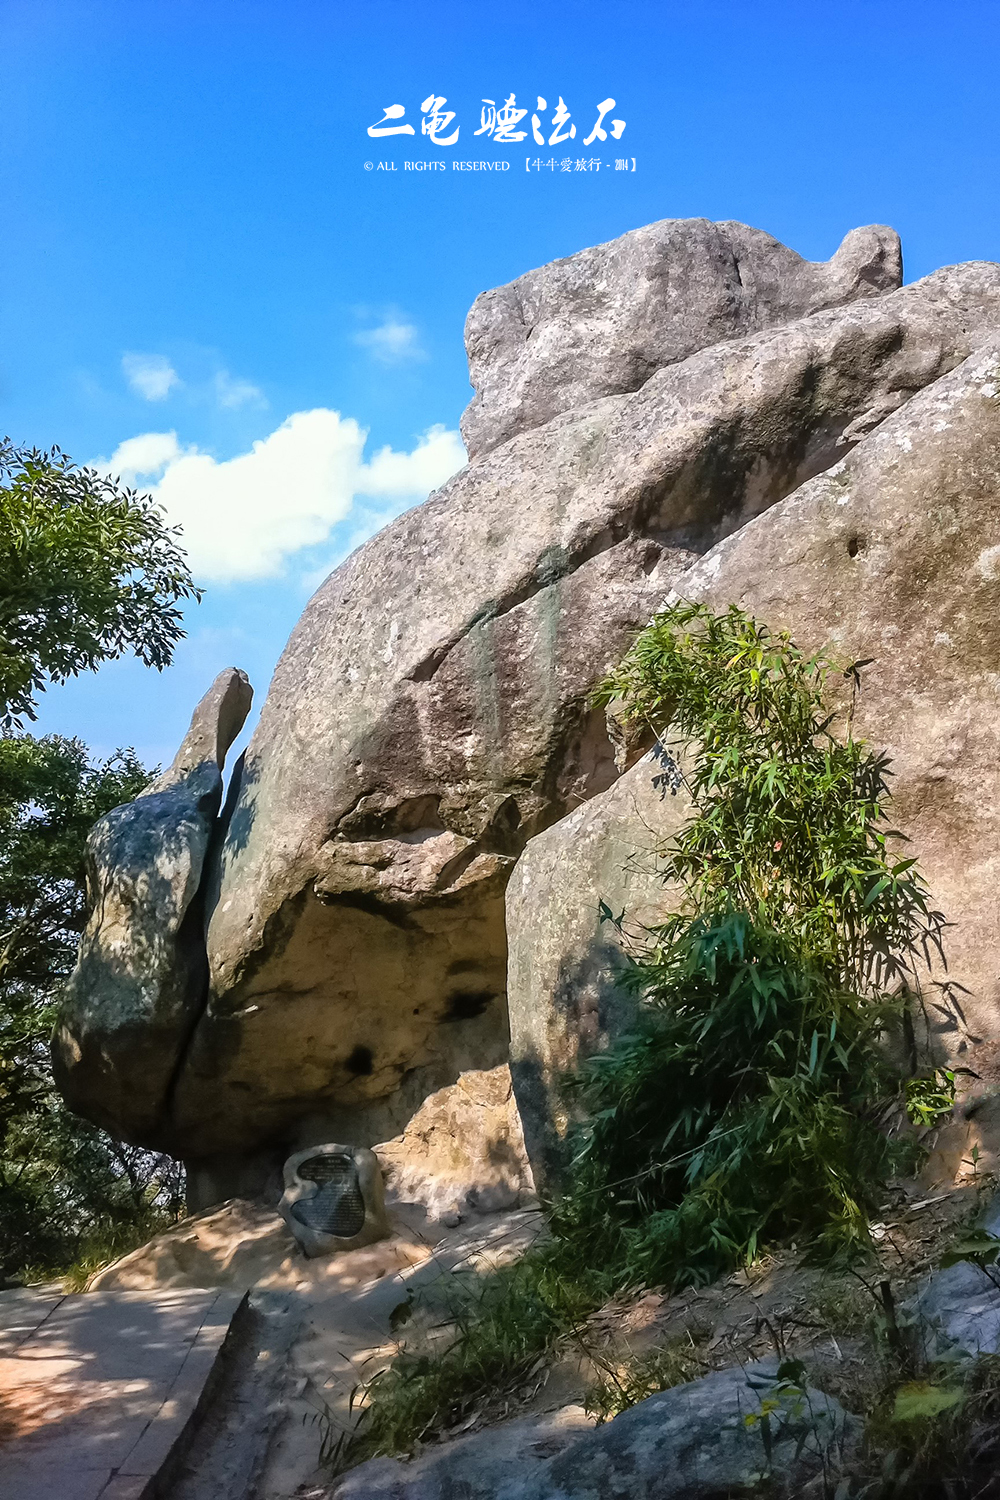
x=582 y=898
x=688 y=1443
x=463 y=1151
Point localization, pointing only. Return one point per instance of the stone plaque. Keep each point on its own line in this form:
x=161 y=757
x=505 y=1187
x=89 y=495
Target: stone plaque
x=334 y=1199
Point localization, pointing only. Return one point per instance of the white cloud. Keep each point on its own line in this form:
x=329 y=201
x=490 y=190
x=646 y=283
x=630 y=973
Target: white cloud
x=393 y=342
x=232 y=393
x=145 y=455
x=391 y=475
x=244 y=517
x=151 y=376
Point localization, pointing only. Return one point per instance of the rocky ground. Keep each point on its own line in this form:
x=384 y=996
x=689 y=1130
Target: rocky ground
x=315 y=1331
x=780 y=1309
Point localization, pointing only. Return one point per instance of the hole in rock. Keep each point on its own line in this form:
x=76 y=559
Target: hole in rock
x=361 y=1061
x=465 y=1005
x=854 y=546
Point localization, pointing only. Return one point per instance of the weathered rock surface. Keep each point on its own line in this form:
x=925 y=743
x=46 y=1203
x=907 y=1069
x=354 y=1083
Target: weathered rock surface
x=600 y=323
x=688 y=1443
x=141 y=974
x=429 y=713
x=958 y=1308
x=601 y=862
x=966 y=1149
x=894 y=556
x=462 y=1151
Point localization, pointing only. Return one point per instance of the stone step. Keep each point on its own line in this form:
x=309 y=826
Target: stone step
x=101 y=1392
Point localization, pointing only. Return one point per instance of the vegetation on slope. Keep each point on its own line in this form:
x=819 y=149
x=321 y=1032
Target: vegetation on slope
x=756 y=1103
x=69 y=1193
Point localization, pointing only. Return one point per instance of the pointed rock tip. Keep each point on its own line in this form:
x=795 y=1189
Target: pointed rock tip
x=215 y=723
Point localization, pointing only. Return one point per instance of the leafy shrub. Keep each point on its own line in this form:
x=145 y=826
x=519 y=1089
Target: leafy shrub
x=930 y=1099
x=754 y=1102
x=747 y=1109
x=750 y=1105
x=790 y=823
x=936 y=1437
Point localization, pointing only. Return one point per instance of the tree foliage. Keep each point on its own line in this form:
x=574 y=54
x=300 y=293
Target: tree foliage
x=50 y=797
x=747 y=1108
x=791 y=823
x=88 y=571
x=64 y=1185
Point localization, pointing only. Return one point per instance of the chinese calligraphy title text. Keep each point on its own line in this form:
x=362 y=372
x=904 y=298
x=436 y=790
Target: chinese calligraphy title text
x=499 y=125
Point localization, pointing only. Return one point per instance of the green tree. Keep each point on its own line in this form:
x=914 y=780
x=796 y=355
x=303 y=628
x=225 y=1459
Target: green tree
x=66 y=1188
x=756 y=1101
x=88 y=570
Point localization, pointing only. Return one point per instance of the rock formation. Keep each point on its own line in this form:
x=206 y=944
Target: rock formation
x=960 y=1305
x=891 y=556
x=139 y=984
x=405 y=754
x=602 y=322
x=430 y=714
x=581 y=897
x=689 y=1443
x=463 y=1152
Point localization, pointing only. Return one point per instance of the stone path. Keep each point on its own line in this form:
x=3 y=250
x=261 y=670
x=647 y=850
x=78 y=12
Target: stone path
x=135 y=1394
x=100 y=1391
x=345 y=1335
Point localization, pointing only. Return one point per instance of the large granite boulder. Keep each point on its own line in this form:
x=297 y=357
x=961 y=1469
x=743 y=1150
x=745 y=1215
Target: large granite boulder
x=605 y=320
x=698 y=1441
x=891 y=556
x=581 y=900
x=141 y=975
x=431 y=711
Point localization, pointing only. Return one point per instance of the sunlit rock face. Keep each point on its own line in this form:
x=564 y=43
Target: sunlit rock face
x=430 y=713
x=602 y=322
x=892 y=557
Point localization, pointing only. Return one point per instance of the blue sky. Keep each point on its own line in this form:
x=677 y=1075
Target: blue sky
x=195 y=256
